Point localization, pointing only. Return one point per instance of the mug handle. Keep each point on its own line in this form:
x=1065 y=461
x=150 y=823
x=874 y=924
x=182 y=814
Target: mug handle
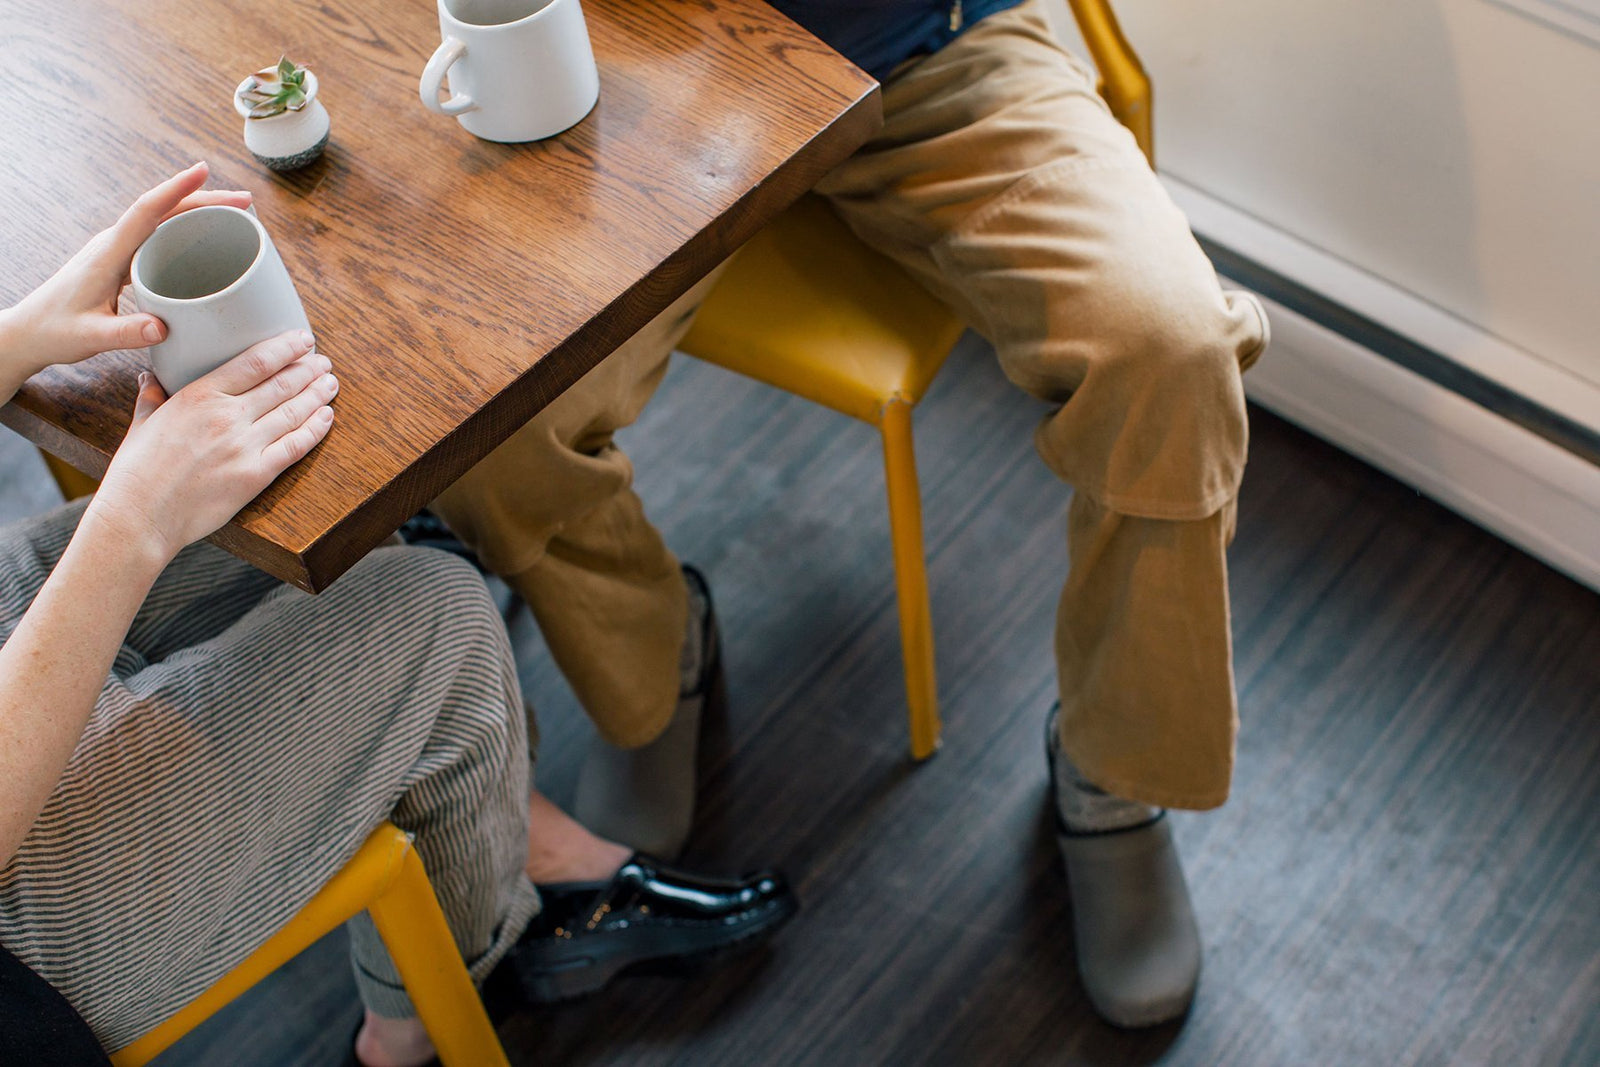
x=444 y=57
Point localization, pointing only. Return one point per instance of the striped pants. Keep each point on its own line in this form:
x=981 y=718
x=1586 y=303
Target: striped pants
x=247 y=740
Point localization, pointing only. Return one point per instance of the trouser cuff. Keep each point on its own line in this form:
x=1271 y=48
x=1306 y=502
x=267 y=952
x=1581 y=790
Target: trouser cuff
x=378 y=982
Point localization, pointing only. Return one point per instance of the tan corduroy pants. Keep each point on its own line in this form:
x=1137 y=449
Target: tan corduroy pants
x=1001 y=182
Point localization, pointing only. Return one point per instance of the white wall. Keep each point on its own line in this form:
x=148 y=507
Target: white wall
x=1434 y=165
x=1448 y=148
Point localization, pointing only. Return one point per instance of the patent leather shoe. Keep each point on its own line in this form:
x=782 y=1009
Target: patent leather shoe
x=647 y=918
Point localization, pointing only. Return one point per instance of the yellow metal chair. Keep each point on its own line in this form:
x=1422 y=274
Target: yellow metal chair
x=807 y=307
x=385 y=878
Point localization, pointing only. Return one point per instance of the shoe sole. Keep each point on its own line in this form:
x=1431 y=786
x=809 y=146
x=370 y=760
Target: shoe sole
x=589 y=973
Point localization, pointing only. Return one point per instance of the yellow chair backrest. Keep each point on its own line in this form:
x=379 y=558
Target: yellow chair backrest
x=1123 y=82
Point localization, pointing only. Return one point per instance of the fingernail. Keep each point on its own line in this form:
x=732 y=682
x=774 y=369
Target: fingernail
x=144 y=378
x=152 y=333
x=303 y=337
x=197 y=164
x=325 y=362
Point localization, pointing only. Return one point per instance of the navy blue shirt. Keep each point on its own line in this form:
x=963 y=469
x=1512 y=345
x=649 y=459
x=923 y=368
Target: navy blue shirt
x=875 y=35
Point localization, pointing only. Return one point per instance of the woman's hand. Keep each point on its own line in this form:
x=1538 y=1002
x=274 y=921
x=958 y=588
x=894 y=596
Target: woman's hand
x=191 y=462
x=73 y=315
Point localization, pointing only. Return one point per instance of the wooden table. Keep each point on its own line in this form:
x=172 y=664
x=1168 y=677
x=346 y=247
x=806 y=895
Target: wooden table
x=458 y=285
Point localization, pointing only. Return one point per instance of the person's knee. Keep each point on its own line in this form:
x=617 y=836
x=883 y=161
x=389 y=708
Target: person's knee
x=1153 y=417
x=409 y=577
x=509 y=507
x=421 y=597
x=1153 y=327
x=438 y=603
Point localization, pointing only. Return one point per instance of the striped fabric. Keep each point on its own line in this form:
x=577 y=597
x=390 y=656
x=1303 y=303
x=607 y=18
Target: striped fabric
x=247 y=740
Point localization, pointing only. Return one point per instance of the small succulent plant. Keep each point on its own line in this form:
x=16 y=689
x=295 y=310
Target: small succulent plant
x=275 y=89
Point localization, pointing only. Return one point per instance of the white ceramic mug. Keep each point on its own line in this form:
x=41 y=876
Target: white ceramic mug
x=214 y=277
x=520 y=70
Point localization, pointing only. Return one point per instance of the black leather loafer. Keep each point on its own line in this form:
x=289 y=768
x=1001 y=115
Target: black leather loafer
x=646 y=918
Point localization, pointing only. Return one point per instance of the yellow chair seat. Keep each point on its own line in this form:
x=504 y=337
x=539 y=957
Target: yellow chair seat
x=808 y=308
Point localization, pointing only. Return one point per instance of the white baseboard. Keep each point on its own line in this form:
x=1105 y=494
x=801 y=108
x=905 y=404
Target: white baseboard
x=1542 y=380
x=1509 y=480
x=1513 y=483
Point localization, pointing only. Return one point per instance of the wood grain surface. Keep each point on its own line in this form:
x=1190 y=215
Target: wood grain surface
x=457 y=284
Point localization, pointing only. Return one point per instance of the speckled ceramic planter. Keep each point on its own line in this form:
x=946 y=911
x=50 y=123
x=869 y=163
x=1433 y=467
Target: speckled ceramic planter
x=288 y=140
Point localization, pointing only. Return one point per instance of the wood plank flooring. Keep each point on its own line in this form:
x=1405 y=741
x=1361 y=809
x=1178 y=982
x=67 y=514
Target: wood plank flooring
x=1408 y=873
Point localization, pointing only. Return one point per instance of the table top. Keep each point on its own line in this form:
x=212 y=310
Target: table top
x=457 y=284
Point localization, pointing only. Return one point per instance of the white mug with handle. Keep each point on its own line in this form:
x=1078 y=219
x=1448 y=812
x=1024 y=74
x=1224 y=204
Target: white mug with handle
x=520 y=70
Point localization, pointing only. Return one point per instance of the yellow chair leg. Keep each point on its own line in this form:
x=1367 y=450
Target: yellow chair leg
x=413 y=929
x=72 y=482
x=911 y=578
x=387 y=879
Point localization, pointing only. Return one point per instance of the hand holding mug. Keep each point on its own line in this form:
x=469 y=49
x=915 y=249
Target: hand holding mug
x=73 y=315
x=191 y=462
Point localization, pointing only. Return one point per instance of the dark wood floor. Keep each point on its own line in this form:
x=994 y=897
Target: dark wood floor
x=1409 y=871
